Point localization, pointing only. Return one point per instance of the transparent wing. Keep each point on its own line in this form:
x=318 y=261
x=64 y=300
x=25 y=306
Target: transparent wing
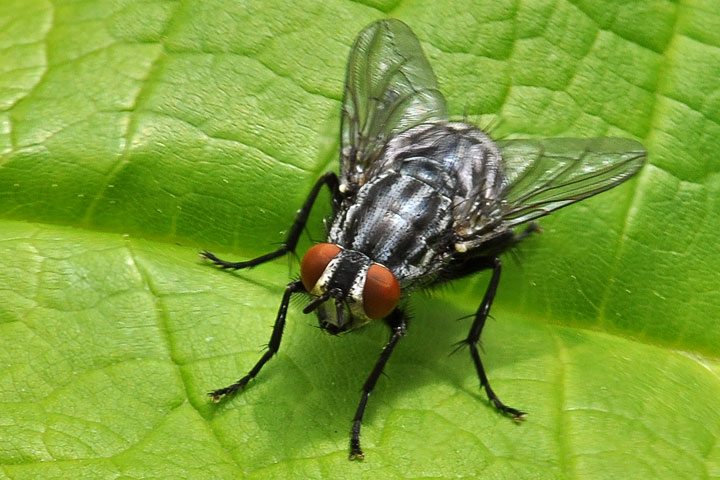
x=544 y=175
x=389 y=88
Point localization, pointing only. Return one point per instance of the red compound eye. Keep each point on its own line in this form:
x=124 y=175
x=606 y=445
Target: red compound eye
x=381 y=292
x=314 y=263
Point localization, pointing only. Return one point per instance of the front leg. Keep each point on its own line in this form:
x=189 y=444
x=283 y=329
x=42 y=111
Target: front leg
x=398 y=325
x=474 y=337
x=273 y=346
x=329 y=179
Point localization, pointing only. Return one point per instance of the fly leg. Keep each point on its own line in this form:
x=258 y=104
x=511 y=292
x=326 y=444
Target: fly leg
x=273 y=346
x=531 y=228
x=329 y=179
x=474 y=337
x=398 y=326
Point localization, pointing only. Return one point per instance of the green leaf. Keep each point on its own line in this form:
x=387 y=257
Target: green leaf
x=135 y=133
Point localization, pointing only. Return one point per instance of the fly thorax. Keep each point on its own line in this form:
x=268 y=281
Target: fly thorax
x=348 y=288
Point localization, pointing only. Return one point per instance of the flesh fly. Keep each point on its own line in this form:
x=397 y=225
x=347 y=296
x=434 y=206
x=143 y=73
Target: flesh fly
x=422 y=200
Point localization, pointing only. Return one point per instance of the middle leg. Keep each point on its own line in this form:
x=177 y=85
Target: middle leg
x=474 y=337
x=329 y=179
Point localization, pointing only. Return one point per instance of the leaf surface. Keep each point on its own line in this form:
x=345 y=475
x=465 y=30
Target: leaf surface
x=134 y=134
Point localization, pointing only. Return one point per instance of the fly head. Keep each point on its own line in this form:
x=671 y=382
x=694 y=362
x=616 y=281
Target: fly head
x=348 y=288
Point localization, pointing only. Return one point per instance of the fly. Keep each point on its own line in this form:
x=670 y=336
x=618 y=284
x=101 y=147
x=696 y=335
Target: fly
x=422 y=200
